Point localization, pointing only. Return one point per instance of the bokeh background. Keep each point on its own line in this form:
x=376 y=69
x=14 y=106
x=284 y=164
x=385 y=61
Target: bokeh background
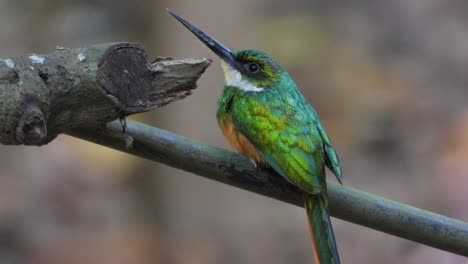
x=388 y=78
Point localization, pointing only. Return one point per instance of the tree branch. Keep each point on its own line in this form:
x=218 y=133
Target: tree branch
x=227 y=167
x=42 y=96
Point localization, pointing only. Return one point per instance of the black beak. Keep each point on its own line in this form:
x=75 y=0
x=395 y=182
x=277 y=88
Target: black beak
x=219 y=49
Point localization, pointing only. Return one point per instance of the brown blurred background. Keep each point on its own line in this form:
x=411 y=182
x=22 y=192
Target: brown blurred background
x=389 y=79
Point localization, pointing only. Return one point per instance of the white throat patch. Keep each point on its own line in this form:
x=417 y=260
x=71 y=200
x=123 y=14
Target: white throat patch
x=234 y=78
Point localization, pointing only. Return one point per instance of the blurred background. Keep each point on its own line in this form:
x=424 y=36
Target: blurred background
x=388 y=78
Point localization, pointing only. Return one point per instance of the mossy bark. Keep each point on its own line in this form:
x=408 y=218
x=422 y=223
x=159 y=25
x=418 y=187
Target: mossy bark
x=42 y=96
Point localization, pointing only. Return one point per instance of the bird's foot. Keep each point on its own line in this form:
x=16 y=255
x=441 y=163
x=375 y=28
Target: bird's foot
x=254 y=163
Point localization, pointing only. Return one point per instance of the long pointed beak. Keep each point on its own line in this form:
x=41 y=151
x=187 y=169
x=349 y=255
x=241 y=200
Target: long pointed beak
x=219 y=49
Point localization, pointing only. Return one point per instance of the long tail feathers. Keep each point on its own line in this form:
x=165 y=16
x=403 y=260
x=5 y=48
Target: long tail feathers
x=321 y=230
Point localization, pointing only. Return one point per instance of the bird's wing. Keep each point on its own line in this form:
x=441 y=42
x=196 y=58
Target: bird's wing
x=331 y=157
x=291 y=145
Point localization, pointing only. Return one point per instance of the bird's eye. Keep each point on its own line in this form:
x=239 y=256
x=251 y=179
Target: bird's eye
x=253 y=67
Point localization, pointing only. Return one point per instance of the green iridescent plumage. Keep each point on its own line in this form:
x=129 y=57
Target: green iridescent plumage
x=286 y=130
x=264 y=116
x=283 y=126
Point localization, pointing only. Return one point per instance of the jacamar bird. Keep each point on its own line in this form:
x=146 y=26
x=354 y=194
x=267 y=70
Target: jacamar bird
x=264 y=116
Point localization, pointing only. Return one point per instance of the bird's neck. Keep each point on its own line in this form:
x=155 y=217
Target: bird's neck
x=229 y=96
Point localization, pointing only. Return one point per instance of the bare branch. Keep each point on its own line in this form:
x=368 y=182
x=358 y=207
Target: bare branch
x=224 y=166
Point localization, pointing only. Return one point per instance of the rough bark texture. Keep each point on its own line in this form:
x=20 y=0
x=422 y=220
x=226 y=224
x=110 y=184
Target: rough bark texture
x=42 y=96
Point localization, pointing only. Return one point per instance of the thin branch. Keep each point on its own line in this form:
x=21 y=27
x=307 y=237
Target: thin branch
x=224 y=166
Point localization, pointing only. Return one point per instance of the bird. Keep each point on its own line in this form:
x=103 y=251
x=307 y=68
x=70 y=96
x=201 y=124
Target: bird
x=264 y=116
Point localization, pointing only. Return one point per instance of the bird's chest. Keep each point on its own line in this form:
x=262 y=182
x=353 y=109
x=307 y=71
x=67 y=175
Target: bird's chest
x=239 y=141
x=228 y=111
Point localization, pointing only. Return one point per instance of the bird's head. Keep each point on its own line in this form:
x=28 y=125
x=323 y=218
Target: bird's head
x=248 y=70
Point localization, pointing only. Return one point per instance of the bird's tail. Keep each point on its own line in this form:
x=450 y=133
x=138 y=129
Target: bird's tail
x=321 y=230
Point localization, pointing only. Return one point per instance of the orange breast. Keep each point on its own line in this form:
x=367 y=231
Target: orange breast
x=239 y=142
